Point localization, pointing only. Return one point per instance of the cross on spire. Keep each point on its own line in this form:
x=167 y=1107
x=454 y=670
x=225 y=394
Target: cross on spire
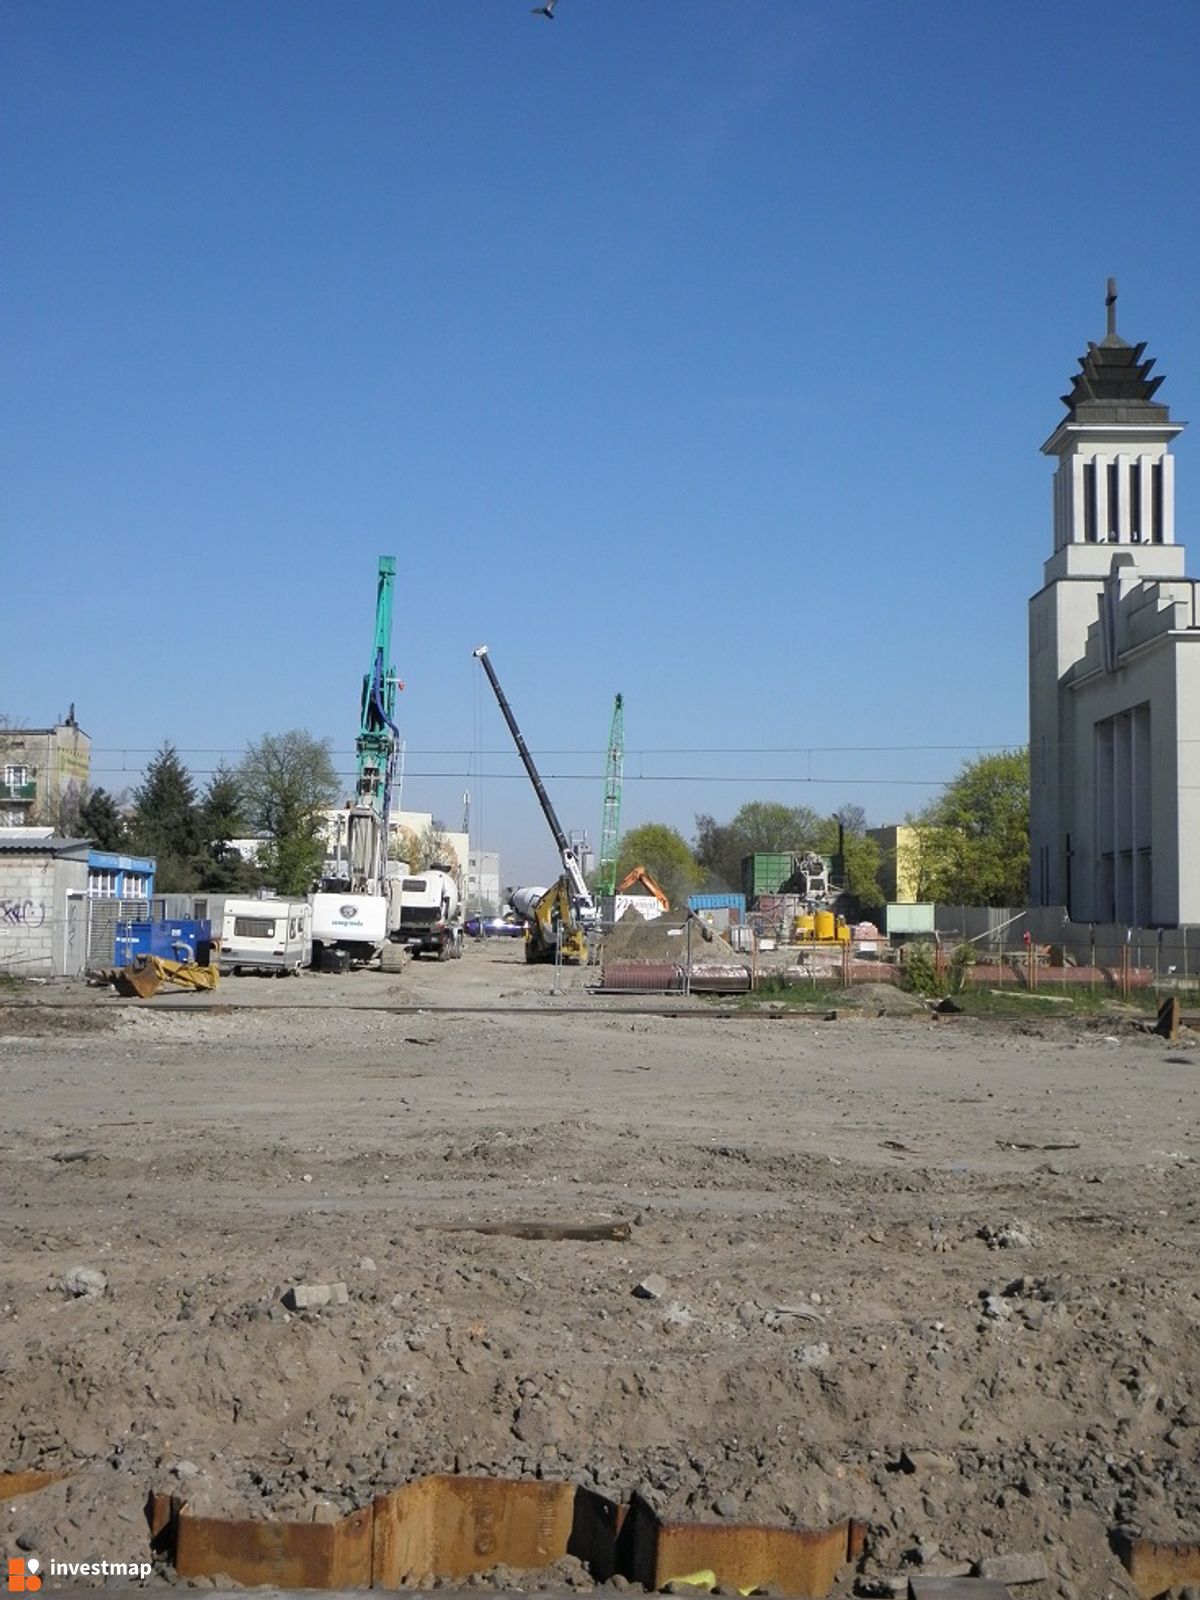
x=1110 y=301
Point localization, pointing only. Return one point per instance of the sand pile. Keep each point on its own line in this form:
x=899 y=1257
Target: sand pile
x=666 y=939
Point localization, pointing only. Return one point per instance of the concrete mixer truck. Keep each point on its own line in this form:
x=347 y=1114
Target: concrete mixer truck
x=424 y=915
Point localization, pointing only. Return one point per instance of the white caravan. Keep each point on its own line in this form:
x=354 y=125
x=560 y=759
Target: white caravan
x=259 y=935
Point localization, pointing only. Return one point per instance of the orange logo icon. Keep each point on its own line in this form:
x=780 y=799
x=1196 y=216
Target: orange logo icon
x=23 y=1575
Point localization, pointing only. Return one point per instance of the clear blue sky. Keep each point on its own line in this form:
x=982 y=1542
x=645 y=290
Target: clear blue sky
x=694 y=349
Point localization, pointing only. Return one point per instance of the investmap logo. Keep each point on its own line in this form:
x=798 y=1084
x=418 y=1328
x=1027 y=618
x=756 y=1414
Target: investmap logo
x=25 y=1572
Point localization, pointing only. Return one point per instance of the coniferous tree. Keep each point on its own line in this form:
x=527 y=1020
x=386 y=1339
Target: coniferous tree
x=166 y=821
x=99 y=820
x=220 y=865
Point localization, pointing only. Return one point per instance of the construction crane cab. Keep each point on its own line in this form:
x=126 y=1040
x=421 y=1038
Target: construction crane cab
x=558 y=920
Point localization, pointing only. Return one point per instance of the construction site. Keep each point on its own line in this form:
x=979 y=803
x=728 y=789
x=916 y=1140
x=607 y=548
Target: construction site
x=673 y=1247
x=475 y=1275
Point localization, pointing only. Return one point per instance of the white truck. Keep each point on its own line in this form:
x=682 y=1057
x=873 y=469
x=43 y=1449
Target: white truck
x=347 y=928
x=424 y=916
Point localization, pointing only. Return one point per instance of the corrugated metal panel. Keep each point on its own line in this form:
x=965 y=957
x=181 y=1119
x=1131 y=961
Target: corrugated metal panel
x=717 y=902
x=39 y=843
x=103 y=917
x=766 y=871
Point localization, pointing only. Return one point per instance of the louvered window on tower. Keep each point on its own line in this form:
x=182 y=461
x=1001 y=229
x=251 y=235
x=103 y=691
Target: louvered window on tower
x=1114 y=501
x=1089 y=502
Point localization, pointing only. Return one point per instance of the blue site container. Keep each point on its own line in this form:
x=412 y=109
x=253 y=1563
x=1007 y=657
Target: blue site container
x=181 y=939
x=717 y=902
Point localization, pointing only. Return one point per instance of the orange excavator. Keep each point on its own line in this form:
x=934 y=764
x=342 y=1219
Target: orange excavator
x=645 y=878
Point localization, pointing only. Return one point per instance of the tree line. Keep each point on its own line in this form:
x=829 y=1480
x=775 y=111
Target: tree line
x=969 y=846
x=274 y=794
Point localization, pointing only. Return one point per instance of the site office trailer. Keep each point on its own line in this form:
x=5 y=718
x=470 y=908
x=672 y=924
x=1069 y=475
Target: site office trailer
x=259 y=935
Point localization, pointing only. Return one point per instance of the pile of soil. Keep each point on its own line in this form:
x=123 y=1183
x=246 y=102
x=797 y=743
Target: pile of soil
x=665 y=938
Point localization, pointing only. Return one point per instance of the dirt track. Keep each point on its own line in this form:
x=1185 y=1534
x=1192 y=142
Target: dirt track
x=880 y=1177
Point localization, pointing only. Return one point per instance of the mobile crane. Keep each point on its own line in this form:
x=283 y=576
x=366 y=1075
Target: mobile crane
x=350 y=904
x=558 y=918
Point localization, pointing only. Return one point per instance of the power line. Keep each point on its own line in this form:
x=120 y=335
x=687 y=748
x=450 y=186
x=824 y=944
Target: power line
x=645 y=750
x=642 y=777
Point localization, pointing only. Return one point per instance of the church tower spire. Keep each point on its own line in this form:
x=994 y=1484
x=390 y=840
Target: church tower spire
x=1115 y=483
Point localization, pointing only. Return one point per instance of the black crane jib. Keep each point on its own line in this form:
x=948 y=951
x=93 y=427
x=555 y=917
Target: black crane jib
x=560 y=837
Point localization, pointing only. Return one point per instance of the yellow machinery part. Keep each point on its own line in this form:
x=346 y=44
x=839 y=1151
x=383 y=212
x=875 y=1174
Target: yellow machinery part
x=554 y=918
x=146 y=975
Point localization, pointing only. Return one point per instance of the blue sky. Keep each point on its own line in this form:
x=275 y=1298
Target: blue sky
x=687 y=348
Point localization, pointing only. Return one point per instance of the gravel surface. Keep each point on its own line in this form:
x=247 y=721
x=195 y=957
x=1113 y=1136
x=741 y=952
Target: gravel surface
x=943 y=1278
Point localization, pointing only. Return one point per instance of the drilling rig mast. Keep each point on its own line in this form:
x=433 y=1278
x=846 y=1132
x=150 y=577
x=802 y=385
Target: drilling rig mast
x=610 y=827
x=350 y=907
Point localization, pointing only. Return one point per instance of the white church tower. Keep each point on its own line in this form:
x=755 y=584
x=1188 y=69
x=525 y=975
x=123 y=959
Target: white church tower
x=1114 y=661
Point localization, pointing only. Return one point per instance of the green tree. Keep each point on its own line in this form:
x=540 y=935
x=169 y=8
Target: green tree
x=666 y=855
x=978 y=834
x=430 y=848
x=221 y=867
x=99 y=820
x=166 y=822
x=759 y=825
x=287 y=780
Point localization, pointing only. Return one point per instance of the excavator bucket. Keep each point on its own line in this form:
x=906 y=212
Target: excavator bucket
x=147 y=975
x=141 y=980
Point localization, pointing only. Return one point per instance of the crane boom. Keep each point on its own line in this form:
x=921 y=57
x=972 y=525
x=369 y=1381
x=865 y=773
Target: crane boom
x=610 y=827
x=580 y=894
x=378 y=736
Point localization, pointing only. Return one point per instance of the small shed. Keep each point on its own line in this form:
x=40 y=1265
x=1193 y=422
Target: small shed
x=43 y=903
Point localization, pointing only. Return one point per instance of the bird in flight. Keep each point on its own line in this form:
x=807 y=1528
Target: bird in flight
x=546 y=11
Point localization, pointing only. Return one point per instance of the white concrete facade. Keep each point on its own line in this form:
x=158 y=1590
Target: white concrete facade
x=1114 y=663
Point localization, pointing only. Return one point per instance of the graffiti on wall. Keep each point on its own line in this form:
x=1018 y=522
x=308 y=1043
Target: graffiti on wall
x=22 y=913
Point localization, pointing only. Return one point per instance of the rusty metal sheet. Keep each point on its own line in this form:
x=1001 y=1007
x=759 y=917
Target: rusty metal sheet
x=791 y=1561
x=451 y=1527
x=1155 y=1567
x=642 y=977
x=288 y=1555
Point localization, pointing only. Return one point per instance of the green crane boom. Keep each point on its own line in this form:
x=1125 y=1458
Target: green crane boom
x=610 y=827
x=378 y=736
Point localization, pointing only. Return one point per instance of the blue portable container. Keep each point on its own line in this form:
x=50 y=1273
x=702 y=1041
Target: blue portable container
x=717 y=902
x=181 y=939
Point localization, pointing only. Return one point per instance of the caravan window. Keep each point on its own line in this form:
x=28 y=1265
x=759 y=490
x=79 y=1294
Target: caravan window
x=254 y=927
x=414 y=886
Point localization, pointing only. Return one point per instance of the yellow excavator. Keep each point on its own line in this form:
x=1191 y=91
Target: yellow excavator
x=557 y=919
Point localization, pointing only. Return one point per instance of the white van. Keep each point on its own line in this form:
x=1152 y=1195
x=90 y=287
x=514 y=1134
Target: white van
x=259 y=935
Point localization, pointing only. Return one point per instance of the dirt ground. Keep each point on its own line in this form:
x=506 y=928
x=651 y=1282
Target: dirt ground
x=972 y=1242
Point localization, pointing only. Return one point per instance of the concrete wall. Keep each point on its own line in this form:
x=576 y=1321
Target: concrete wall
x=33 y=912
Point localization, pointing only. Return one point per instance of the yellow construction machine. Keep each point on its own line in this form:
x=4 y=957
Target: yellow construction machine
x=146 y=975
x=557 y=919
